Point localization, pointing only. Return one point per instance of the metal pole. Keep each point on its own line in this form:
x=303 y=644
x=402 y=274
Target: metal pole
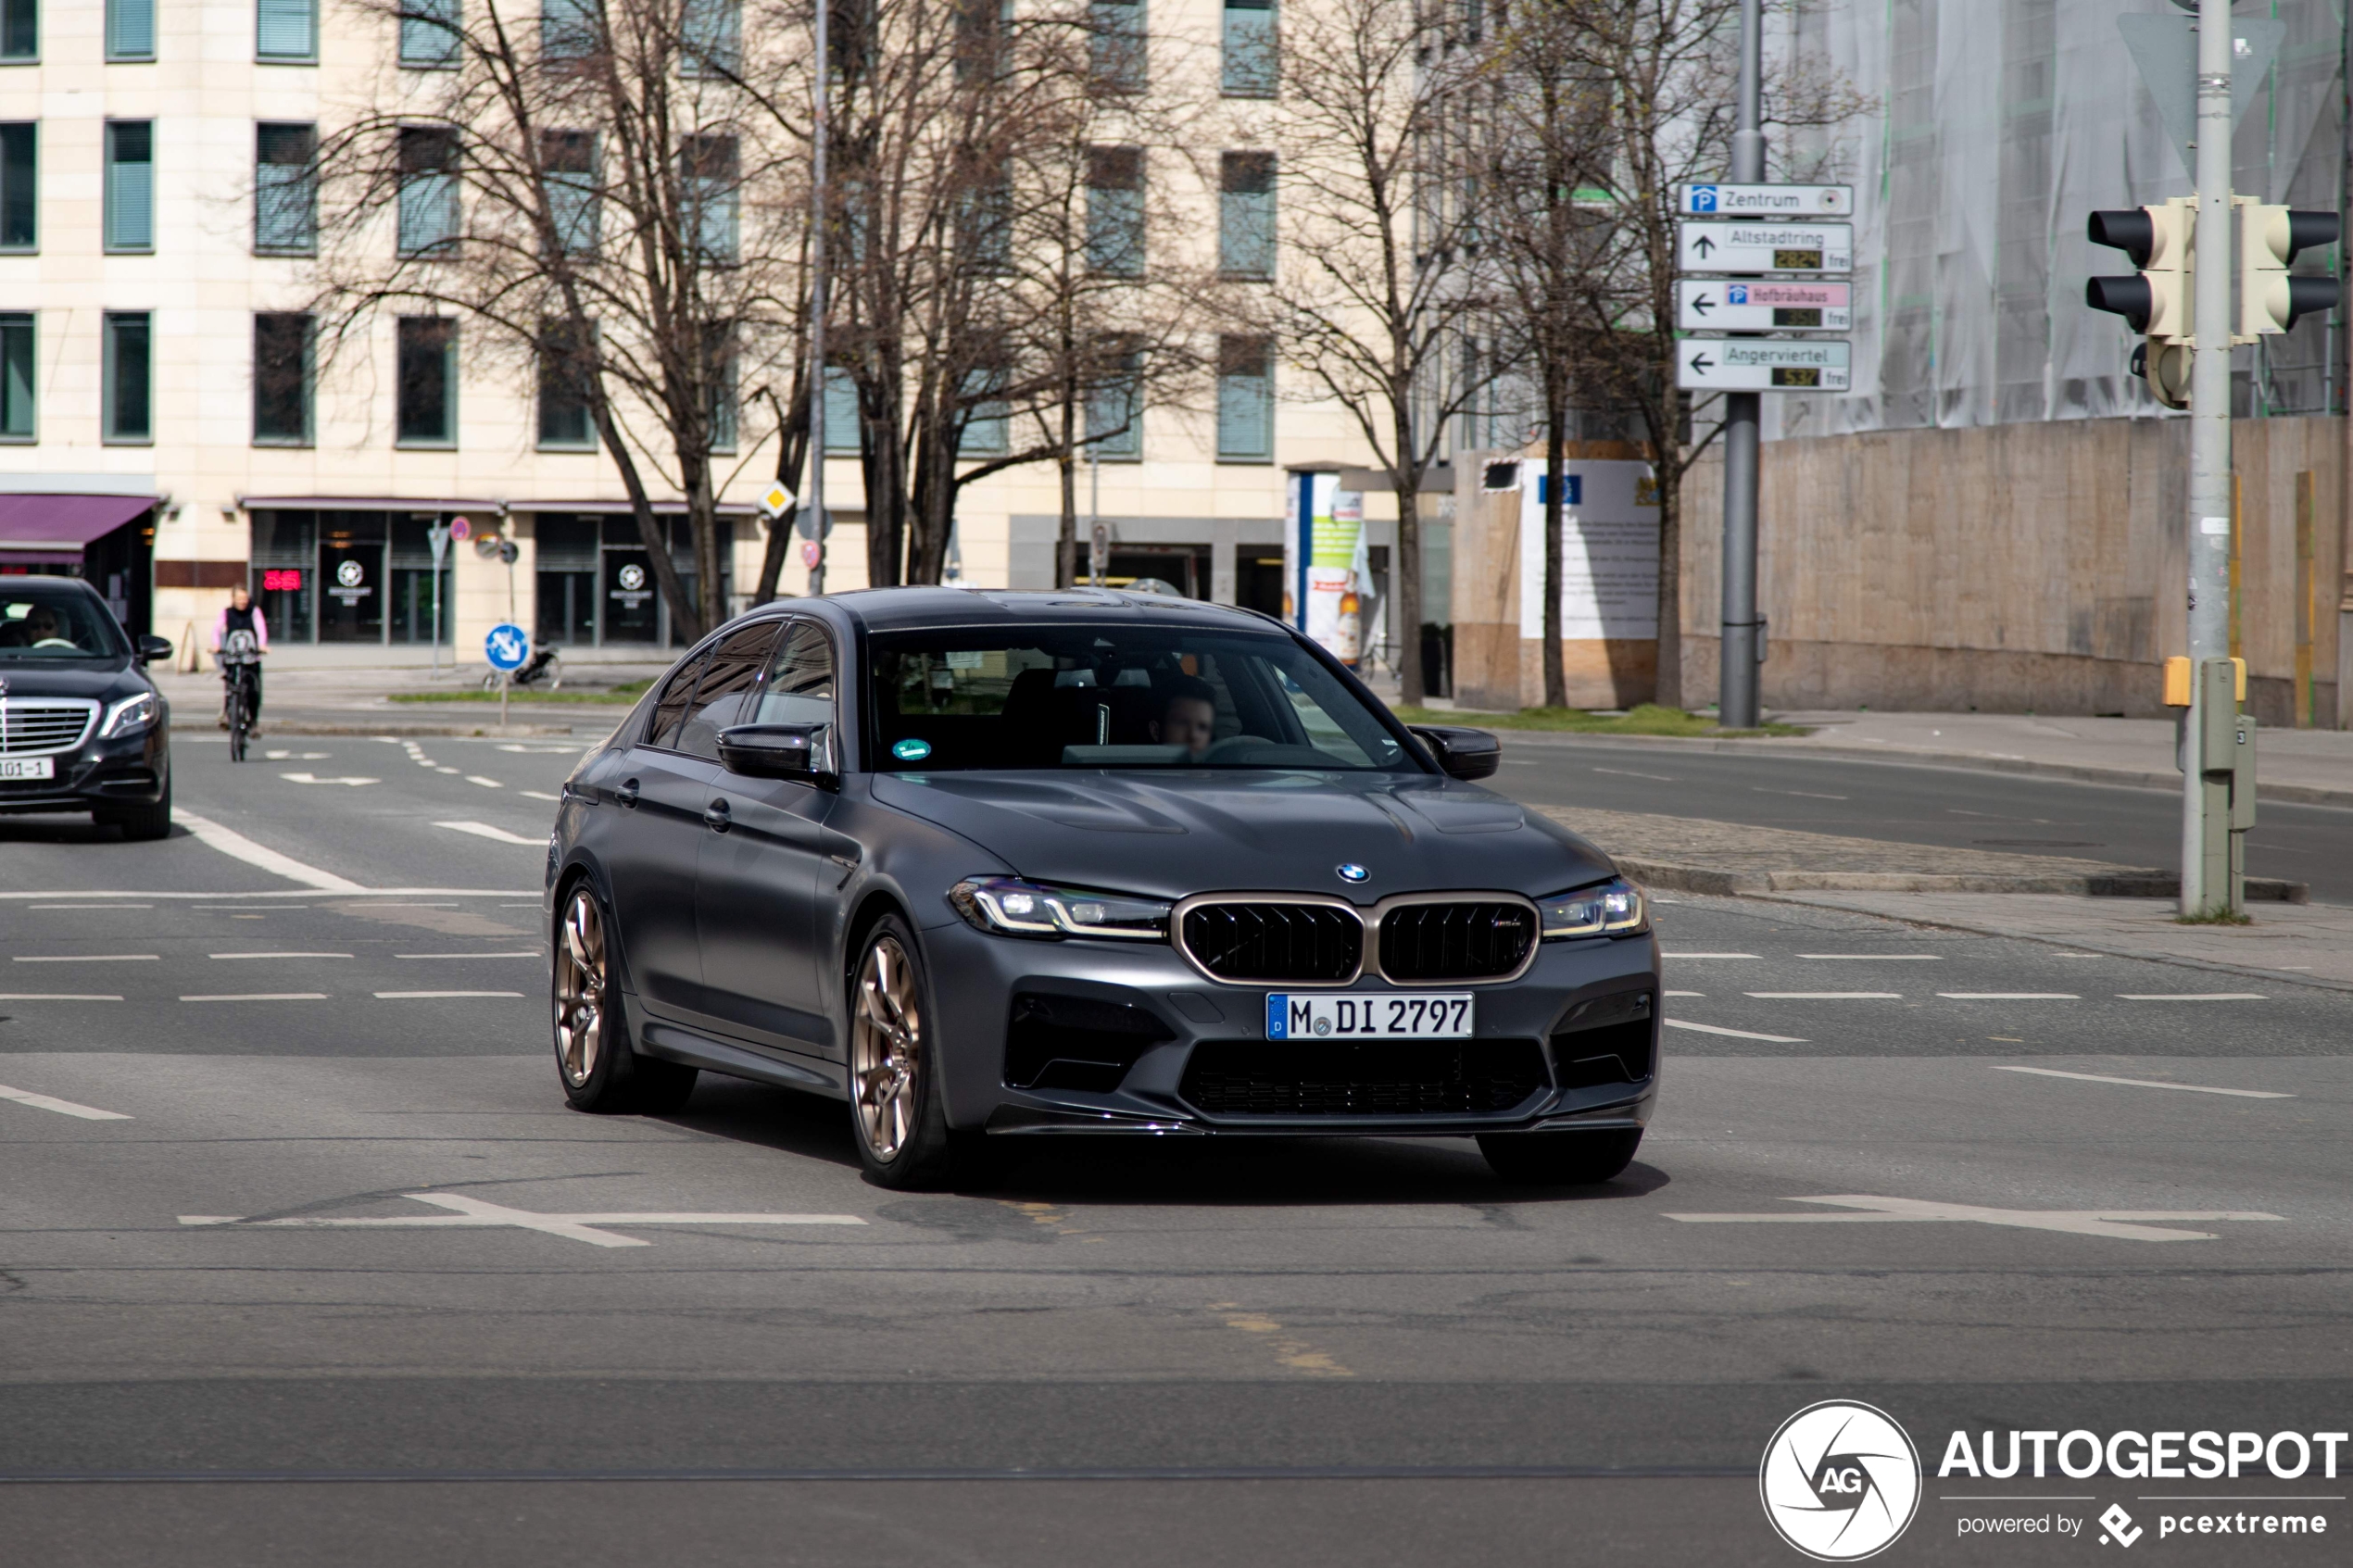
x=2210 y=520
x=1094 y=515
x=1736 y=676
x=818 y=135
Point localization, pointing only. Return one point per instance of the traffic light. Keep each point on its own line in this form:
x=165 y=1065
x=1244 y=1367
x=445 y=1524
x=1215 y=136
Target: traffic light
x=2269 y=300
x=2156 y=302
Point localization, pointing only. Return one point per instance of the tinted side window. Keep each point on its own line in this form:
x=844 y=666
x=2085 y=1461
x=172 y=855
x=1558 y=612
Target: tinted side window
x=670 y=710
x=800 y=680
x=717 y=703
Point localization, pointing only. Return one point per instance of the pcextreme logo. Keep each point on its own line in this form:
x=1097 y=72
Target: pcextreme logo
x=1840 y=1481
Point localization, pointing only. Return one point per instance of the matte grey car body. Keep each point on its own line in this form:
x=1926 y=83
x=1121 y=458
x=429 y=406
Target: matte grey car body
x=734 y=908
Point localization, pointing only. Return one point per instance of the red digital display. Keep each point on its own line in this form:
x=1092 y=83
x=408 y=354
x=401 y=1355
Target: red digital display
x=283 y=580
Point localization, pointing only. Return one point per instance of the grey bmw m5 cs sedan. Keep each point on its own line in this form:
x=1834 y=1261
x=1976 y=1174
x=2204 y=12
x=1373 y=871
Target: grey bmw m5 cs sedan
x=985 y=865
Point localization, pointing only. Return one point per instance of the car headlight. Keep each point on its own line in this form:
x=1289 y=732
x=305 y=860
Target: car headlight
x=1007 y=906
x=129 y=717
x=1614 y=908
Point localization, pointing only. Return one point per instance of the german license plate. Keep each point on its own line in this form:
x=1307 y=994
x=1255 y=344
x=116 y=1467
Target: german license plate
x=1428 y=1016
x=26 y=767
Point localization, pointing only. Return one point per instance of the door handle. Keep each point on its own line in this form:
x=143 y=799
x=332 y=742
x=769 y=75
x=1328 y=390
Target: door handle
x=627 y=793
x=715 y=817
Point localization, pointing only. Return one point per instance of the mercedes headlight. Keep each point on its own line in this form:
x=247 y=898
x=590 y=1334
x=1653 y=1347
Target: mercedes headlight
x=1614 y=908
x=129 y=717
x=1007 y=906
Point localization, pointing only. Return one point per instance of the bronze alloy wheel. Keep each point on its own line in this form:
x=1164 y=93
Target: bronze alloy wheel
x=885 y=1048
x=581 y=978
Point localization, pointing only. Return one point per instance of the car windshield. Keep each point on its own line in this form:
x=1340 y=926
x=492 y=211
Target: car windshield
x=54 y=623
x=1085 y=696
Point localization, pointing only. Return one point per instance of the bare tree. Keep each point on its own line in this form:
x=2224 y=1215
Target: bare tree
x=586 y=187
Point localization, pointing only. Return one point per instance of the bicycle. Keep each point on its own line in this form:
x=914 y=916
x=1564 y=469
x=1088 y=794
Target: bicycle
x=240 y=661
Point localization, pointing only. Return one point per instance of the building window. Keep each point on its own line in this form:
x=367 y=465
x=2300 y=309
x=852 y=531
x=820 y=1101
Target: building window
x=16 y=376
x=711 y=37
x=128 y=413
x=1115 y=211
x=1246 y=215
x=20 y=187
x=429 y=39
x=984 y=432
x=841 y=410
x=569 y=159
x=567 y=369
x=131 y=30
x=426 y=399
x=131 y=184
x=568 y=29
x=1116 y=408
x=1250 y=61
x=1245 y=400
x=1116 y=44
x=985 y=227
x=286 y=31
x=286 y=189
x=282 y=378
x=19 y=29
x=428 y=156
x=709 y=186
x=719 y=358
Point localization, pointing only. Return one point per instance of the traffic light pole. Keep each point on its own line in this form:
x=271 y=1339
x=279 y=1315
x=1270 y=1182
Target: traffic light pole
x=2210 y=518
x=1737 y=704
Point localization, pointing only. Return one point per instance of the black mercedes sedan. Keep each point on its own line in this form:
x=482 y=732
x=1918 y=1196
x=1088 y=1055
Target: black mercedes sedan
x=987 y=865
x=82 y=727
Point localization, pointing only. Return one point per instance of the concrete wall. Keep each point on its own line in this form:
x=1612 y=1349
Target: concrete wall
x=2023 y=567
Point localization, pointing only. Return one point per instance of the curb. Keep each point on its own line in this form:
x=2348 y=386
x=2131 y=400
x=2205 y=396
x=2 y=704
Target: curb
x=2126 y=882
x=2286 y=794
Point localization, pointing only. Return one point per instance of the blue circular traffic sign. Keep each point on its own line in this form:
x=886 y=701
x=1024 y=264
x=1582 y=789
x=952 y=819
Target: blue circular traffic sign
x=507 y=647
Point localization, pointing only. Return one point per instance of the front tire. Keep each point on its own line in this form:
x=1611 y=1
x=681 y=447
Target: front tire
x=599 y=1070
x=898 y=1114
x=140 y=824
x=1560 y=1158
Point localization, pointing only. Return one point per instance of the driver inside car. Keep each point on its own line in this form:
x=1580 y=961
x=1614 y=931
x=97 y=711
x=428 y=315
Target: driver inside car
x=1188 y=715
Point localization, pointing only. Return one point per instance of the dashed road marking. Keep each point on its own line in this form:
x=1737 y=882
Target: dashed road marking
x=540 y=794
x=1800 y=794
x=474 y=1212
x=1878 y=957
x=437 y=996
x=89 y=906
x=89 y=957
x=2146 y=1083
x=261 y=997
x=2190 y=996
x=62 y=1107
x=1686 y=993
x=315 y=779
x=1735 y=1033
x=496 y=835
x=53 y=997
x=2009 y=996
x=277 y=954
x=1630 y=773
x=2124 y=1224
x=1708 y=955
x=487 y=784
x=1826 y=996
x=524 y=953
x=1290 y=1349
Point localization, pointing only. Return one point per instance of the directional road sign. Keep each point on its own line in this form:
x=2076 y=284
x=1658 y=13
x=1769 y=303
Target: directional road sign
x=508 y=646
x=1745 y=246
x=1736 y=304
x=1765 y=201
x=1747 y=364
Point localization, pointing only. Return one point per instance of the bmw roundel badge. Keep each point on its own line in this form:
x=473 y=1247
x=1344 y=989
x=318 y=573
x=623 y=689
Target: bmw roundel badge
x=1352 y=872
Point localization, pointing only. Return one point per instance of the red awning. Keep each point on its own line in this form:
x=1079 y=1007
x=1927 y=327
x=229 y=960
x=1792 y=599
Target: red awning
x=63 y=522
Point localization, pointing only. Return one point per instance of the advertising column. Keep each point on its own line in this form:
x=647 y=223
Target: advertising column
x=1325 y=566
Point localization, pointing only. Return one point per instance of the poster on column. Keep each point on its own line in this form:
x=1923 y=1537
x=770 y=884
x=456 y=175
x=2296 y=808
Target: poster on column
x=1325 y=564
x=1609 y=551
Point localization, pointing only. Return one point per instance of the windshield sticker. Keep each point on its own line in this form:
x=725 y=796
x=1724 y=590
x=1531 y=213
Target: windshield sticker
x=911 y=750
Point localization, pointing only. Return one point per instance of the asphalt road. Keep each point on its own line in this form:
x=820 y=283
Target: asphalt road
x=337 y=1274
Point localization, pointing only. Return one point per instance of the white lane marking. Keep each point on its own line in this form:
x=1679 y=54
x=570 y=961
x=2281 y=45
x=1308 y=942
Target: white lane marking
x=315 y=779
x=237 y=846
x=487 y=784
x=531 y=953
x=277 y=954
x=1630 y=773
x=2009 y=996
x=1879 y=958
x=496 y=835
x=53 y=997
x=439 y=768
x=2146 y=1083
x=540 y=794
x=2125 y=1224
x=427 y=995
x=263 y=996
x=306 y=893
x=1687 y=993
x=540 y=750
x=1708 y=955
x=89 y=906
x=297 y=756
x=89 y=957
x=1735 y=1033
x=1801 y=794
x=62 y=1107
x=1826 y=996
x=475 y=1213
x=2190 y=996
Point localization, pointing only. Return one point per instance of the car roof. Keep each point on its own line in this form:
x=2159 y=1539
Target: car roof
x=895 y=609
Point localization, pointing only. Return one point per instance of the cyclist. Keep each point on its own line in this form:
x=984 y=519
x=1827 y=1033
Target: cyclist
x=242 y=615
